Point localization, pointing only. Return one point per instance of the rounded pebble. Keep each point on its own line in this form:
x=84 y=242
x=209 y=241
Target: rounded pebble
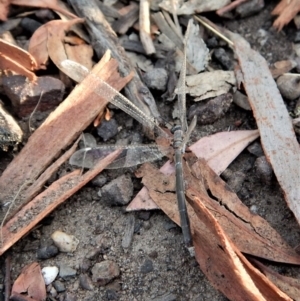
x=49 y=274
x=65 y=242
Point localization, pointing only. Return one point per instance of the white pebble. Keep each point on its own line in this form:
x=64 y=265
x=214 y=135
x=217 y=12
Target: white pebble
x=49 y=274
x=65 y=242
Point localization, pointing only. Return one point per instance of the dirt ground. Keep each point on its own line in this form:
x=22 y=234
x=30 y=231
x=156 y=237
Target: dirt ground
x=157 y=266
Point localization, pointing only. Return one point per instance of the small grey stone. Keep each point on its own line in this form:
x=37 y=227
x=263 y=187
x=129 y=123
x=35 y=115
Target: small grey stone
x=168 y=225
x=111 y=295
x=107 y=129
x=144 y=215
x=147 y=266
x=117 y=192
x=105 y=271
x=156 y=79
x=241 y=100
x=86 y=282
x=66 y=272
x=250 y=8
x=236 y=181
x=255 y=149
x=99 y=180
x=53 y=292
x=59 y=286
x=224 y=58
x=85 y=265
x=70 y=297
x=264 y=170
x=47 y=252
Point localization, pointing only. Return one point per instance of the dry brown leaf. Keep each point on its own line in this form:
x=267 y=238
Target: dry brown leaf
x=16 y=59
x=287 y=10
x=48 y=41
x=249 y=232
x=219 y=150
x=219 y=257
x=51 y=4
x=274 y=123
x=31 y=281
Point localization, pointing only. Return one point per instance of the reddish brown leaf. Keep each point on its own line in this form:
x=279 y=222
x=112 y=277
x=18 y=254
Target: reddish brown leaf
x=48 y=40
x=31 y=281
x=217 y=253
x=250 y=233
x=16 y=59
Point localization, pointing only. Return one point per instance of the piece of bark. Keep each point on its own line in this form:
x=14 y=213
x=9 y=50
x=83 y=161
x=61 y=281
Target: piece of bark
x=103 y=38
x=58 y=131
x=274 y=123
x=43 y=204
x=126 y=20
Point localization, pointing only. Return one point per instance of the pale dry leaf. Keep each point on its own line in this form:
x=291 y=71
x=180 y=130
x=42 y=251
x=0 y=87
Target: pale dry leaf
x=274 y=123
x=196 y=51
x=210 y=84
x=31 y=282
x=194 y=6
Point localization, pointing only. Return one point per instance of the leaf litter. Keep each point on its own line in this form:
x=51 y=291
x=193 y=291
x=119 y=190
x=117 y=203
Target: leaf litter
x=248 y=281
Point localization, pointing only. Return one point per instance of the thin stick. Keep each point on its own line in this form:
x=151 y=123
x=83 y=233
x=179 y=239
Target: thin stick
x=213 y=29
x=145 y=31
x=30 y=117
x=7 y=277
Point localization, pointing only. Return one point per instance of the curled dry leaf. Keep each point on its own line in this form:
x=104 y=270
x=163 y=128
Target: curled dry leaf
x=48 y=41
x=31 y=281
x=219 y=234
x=16 y=59
x=274 y=123
x=287 y=10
